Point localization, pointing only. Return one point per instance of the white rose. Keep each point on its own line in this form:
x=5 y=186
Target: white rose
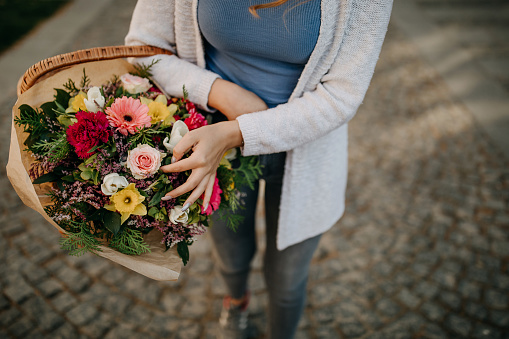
x=112 y=183
x=95 y=101
x=135 y=84
x=178 y=130
x=177 y=216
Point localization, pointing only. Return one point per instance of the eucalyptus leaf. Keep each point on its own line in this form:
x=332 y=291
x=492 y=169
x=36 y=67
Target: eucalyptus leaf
x=112 y=221
x=183 y=251
x=48 y=177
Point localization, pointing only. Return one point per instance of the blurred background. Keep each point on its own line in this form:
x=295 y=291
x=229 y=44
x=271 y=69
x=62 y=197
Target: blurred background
x=423 y=248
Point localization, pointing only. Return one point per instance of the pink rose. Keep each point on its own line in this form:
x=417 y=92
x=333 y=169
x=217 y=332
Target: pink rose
x=135 y=84
x=144 y=161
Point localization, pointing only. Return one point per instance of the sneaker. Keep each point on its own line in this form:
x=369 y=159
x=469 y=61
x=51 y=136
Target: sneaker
x=234 y=323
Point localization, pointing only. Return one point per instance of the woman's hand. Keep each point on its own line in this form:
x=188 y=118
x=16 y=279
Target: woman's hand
x=209 y=143
x=233 y=100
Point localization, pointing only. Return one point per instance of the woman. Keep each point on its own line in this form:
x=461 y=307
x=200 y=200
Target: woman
x=287 y=82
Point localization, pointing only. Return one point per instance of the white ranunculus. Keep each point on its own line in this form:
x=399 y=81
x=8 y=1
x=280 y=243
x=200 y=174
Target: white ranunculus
x=178 y=216
x=112 y=183
x=178 y=130
x=135 y=84
x=95 y=101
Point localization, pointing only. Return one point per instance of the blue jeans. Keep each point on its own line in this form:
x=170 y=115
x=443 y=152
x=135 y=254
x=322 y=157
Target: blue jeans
x=285 y=272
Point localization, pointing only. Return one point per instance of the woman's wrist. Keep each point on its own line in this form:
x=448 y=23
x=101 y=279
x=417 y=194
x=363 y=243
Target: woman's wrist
x=232 y=134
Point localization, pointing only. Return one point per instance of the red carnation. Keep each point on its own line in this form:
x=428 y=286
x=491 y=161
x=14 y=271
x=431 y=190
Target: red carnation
x=195 y=120
x=88 y=132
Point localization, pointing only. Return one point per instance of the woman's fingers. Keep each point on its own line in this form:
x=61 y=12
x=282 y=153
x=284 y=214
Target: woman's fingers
x=191 y=183
x=184 y=145
x=197 y=192
x=182 y=165
x=208 y=192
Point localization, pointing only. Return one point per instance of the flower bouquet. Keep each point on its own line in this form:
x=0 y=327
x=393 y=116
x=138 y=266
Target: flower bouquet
x=93 y=156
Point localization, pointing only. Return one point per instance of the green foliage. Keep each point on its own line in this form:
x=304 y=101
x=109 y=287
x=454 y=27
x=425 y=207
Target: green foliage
x=33 y=123
x=85 y=80
x=144 y=71
x=61 y=99
x=80 y=243
x=248 y=172
x=70 y=86
x=56 y=149
x=129 y=241
x=112 y=221
x=183 y=251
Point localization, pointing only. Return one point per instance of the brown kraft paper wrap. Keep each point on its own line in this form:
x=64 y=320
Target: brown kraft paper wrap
x=158 y=264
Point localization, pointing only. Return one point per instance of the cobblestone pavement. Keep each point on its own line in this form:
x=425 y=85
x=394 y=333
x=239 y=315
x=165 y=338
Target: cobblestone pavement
x=422 y=251
x=481 y=26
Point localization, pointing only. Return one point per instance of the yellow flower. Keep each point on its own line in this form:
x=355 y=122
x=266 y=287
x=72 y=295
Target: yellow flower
x=127 y=201
x=158 y=111
x=77 y=103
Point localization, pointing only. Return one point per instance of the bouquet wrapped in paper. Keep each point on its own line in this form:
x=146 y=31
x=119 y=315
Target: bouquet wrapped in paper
x=86 y=150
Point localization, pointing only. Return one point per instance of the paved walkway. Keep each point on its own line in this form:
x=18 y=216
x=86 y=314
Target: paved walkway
x=422 y=252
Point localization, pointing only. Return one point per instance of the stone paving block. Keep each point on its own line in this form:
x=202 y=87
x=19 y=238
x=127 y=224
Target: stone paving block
x=188 y=330
x=163 y=326
x=116 y=304
x=75 y=280
x=172 y=302
x=500 y=318
x=482 y=331
x=408 y=298
x=193 y=308
x=387 y=308
x=458 y=324
x=433 y=331
x=100 y=325
x=21 y=327
x=66 y=331
x=450 y=299
x=137 y=314
x=326 y=332
x=496 y=299
x=4 y=303
x=115 y=276
x=50 y=287
x=45 y=317
x=352 y=329
x=64 y=302
x=19 y=292
x=82 y=314
x=122 y=331
x=433 y=311
x=476 y=311
x=8 y=316
x=426 y=289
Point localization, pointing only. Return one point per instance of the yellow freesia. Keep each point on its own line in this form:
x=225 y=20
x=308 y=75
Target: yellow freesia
x=127 y=201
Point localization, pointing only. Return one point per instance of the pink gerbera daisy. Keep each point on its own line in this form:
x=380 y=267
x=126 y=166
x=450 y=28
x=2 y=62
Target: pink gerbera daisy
x=128 y=115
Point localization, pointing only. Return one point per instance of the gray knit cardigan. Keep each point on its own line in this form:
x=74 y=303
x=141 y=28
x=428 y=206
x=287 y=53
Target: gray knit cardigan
x=311 y=127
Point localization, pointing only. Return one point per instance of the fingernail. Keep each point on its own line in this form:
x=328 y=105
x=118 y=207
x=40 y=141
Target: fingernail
x=173 y=160
x=167 y=197
x=205 y=207
x=186 y=206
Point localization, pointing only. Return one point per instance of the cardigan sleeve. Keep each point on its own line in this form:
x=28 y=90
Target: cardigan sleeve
x=337 y=96
x=153 y=23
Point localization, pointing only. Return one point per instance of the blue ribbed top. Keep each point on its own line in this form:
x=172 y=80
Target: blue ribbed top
x=265 y=55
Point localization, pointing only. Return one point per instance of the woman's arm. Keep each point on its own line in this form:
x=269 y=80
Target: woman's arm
x=152 y=24
x=336 y=98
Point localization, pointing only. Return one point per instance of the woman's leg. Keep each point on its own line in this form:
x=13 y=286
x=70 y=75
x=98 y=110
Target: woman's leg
x=286 y=272
x=234 y=250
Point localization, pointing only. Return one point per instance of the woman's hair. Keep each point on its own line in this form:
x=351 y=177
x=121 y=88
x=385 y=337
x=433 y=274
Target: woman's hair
x=276 y=3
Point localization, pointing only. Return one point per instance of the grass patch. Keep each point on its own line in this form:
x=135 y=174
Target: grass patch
x=18 y=17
